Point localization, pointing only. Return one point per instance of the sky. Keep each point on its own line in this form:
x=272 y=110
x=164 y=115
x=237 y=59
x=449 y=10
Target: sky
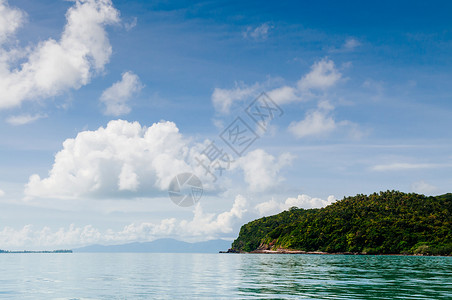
x=269 y=104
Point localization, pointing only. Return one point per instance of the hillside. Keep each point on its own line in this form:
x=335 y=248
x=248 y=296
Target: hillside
x=390 y=222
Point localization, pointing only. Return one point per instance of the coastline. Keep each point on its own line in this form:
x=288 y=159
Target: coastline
x=34 y=251
x=289 y=251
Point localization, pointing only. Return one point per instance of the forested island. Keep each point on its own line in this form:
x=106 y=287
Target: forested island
x=388 y=222
x=39 y=251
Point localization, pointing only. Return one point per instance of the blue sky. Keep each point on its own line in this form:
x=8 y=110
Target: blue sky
x=102 y=103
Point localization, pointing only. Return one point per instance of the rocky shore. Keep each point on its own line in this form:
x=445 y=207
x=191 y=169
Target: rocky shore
x=290 y=251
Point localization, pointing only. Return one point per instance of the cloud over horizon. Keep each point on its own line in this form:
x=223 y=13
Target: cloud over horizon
x=203 y=226
x=302 y=201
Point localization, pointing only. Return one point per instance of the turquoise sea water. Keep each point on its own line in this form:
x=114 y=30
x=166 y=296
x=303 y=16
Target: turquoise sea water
x=223 y=276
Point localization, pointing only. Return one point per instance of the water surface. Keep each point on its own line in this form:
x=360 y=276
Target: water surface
x=223 y=276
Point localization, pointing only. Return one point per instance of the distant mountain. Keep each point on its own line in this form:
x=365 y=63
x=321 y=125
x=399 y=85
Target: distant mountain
x=161 y=246
x=390 y=222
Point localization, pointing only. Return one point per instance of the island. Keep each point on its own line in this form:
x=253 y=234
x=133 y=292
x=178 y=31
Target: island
x=38 y=251
x=390 y=222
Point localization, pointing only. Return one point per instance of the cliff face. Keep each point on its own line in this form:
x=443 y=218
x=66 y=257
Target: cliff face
x=390 y=222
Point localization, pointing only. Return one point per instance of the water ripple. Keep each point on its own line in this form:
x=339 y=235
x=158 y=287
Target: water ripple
x=223 y=276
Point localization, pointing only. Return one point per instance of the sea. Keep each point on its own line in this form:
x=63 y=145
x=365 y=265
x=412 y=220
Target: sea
x=222 y=276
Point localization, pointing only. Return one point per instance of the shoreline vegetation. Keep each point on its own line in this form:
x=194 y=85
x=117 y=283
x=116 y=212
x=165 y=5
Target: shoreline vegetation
x=291 y=251
x=38 y=251
x=385 y=223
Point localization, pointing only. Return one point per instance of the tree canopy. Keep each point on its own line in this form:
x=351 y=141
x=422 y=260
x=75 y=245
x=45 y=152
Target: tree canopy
x=388 y=222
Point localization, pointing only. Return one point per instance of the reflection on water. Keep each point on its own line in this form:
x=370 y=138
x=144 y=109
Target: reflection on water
x=347 y=277
x=219 y=276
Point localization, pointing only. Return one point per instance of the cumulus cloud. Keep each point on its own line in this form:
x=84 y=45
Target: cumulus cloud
x=302 y=201
x=223 y=99
x=123 y=156
x=10 y=20
x=315 y=123
x=28 y=236
x=284 y=94
x=128 y=179
x=257 y=33
x=422 y=187
x=203 y=226
x=24 y=119
x=52 y=67
x=127 y=159
x=262 y=170
x=116 y=97
x=320 y=122
x=210 y=224
x=314 y=85
x=323 y=75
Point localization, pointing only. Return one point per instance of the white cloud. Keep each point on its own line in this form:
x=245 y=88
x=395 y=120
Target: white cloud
x=2 y=193
x=422 y=187
x=257 y=33
x=210 y=224
x=24 y=119
x=126 y=160
x=351 y=44
x=30 y=237
x=128 y=179
x=53 y=67
x=123 y=156
x=223 y=99
x=302 y=201
x=10 y=20
x=203 y=226
x=319 y=122
x=284 y=94
x=323 y=75
x=315 y=123
x=116 y=97
x=262 y=170
x=407 y=166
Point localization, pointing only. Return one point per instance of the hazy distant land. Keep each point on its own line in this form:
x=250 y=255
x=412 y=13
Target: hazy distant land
x=36 y=251
x=161 y=246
